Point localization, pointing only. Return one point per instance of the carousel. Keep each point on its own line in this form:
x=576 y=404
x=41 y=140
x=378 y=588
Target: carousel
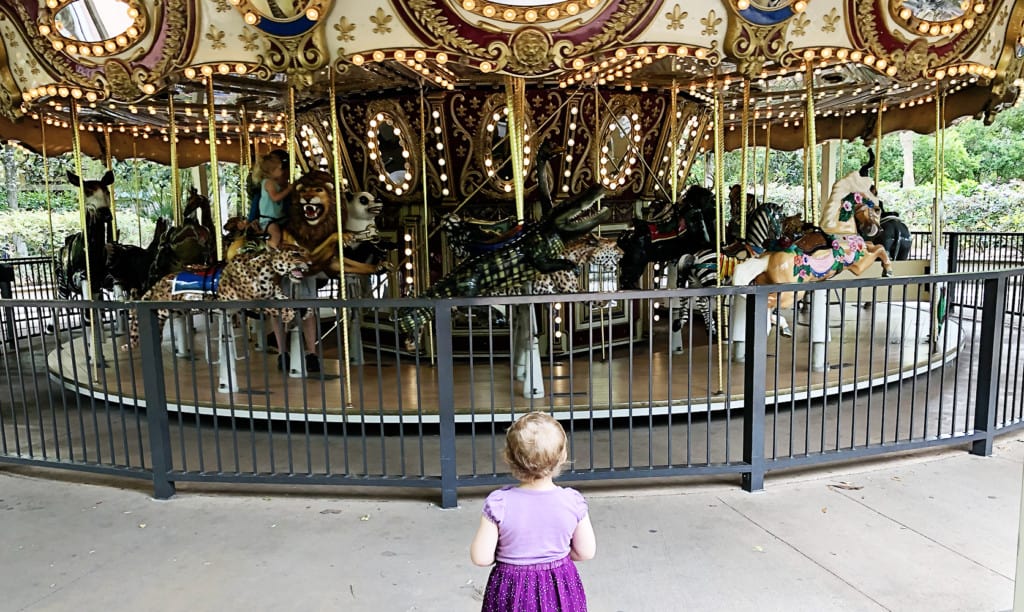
x=395 y=155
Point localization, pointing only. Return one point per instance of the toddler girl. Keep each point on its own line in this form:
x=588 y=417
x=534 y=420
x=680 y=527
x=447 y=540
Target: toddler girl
x=533 y=533
x=274 y=188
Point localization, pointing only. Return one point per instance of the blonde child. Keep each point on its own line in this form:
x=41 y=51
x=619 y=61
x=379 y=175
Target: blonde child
x=274 y=188
x=533 y=532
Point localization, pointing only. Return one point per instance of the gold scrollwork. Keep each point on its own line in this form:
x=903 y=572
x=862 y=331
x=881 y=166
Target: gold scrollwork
x=542 y=13
x=300 y=57
x=753 y=45
x=917 y=58
x=502 y=54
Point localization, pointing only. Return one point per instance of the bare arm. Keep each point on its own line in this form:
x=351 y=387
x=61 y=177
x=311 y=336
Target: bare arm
x=485 y=542
x=584 y=543
x=275 y=194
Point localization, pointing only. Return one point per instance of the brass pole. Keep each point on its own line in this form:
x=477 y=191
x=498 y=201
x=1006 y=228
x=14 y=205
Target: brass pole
x=214 y=177
x=342 y=293
x=172 y=135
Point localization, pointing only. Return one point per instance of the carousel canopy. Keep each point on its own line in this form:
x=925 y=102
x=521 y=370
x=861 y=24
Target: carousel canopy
x=137 y=70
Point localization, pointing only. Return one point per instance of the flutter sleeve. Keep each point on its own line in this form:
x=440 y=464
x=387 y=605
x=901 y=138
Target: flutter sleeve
x=494 y=506
x=577 y=503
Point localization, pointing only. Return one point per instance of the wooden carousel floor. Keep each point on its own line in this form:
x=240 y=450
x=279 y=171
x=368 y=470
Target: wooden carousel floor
x=867 y=347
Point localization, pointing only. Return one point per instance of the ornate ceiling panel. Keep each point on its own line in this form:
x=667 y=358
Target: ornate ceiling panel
x=865 y=55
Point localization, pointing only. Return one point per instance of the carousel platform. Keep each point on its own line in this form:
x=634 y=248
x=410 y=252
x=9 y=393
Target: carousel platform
x=868 y=347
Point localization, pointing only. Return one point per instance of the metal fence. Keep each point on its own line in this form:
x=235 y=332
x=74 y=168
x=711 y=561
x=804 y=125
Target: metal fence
x=871 y=366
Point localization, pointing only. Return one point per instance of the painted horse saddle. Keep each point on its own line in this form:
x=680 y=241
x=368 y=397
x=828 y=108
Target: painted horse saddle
x=197 y=282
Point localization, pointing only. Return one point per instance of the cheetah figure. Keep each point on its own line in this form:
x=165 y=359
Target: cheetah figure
x=249 y=276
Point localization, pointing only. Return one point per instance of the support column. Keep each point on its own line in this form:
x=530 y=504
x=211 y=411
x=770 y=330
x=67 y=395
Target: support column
x=227 y=354
x=526 y=353
x=818 y=329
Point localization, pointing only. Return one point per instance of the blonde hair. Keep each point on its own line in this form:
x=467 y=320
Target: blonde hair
x=268 y=163
x=535 y=447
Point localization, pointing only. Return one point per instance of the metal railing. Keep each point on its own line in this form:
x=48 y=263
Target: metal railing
x=657 y=406
x=873 y=366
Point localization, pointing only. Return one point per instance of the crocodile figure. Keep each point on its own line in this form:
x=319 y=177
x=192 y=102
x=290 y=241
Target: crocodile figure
x=537 y=249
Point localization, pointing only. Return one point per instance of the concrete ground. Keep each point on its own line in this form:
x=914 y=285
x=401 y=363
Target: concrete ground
x=929 y=531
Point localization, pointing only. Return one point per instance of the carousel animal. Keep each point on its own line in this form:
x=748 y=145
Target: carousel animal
x=193 y=243
x=671 y=232
x=732 y=229
x=893 y=234
x=238 y=233
x=468 y=236
x=128 y=265
x=538 y=249
x=250 y=276
x=70 y=267
x=586 y=252
x=766 y=229
x=313 y=225
x=850 y=205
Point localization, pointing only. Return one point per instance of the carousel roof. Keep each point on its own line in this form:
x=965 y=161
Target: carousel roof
x=123 y=64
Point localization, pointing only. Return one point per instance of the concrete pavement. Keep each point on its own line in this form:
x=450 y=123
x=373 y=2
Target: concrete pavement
x=930 y=531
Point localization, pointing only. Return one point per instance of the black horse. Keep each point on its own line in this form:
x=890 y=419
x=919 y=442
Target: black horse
x=71 y=260
x=670 y=233
x=894 y=235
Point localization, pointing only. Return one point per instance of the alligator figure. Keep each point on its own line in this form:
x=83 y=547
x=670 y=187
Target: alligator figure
x=537 y=249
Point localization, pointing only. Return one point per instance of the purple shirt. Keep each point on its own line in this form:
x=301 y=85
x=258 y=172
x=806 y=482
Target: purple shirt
x=534 y=526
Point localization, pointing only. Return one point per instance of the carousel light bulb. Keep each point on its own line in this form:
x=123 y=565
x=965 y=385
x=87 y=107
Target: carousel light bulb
x=312 y=13
x=508 y=188
x=76 y=93
x=441 y=162
x=378 y=56
x=51 y=90
x=91 y=96
x=743 y=5
x=58 y=45
x=251 y=18
x=441 y=58
x=110 y=46
x=223 y=68
x=800 y=6
x=206 y=70
x=979 y=8
x=44 y=29
x=149 y=88
x=968 y=23
x=357 y=60
x=572 y=8
x=51 y=4
x=190 y=72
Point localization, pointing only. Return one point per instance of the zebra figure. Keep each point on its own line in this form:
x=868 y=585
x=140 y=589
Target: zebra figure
x=700 y=269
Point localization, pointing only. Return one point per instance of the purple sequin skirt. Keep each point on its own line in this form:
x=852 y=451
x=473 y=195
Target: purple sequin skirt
x=541 y=587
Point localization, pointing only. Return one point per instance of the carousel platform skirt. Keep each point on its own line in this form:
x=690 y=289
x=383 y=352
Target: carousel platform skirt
x=600 y=382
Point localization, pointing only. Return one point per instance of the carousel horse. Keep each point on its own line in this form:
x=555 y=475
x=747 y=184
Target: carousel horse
x=193 y=243
x=766 y=229
x=250 y=276
x=128 y=265
x=671 y=232
x=894 y=235
x=70 y=268
x=849 y=206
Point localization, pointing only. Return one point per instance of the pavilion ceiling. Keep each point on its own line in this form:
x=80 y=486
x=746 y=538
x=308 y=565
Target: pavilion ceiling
x=262 y=58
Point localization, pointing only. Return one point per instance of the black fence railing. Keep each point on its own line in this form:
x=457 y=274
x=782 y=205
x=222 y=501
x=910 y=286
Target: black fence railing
x=870 y=366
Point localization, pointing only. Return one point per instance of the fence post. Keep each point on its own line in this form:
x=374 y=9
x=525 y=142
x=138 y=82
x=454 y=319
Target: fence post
x=446 y=404
x=7 y=293
x=754 y=391
x=150 y=338
x=989 y=364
